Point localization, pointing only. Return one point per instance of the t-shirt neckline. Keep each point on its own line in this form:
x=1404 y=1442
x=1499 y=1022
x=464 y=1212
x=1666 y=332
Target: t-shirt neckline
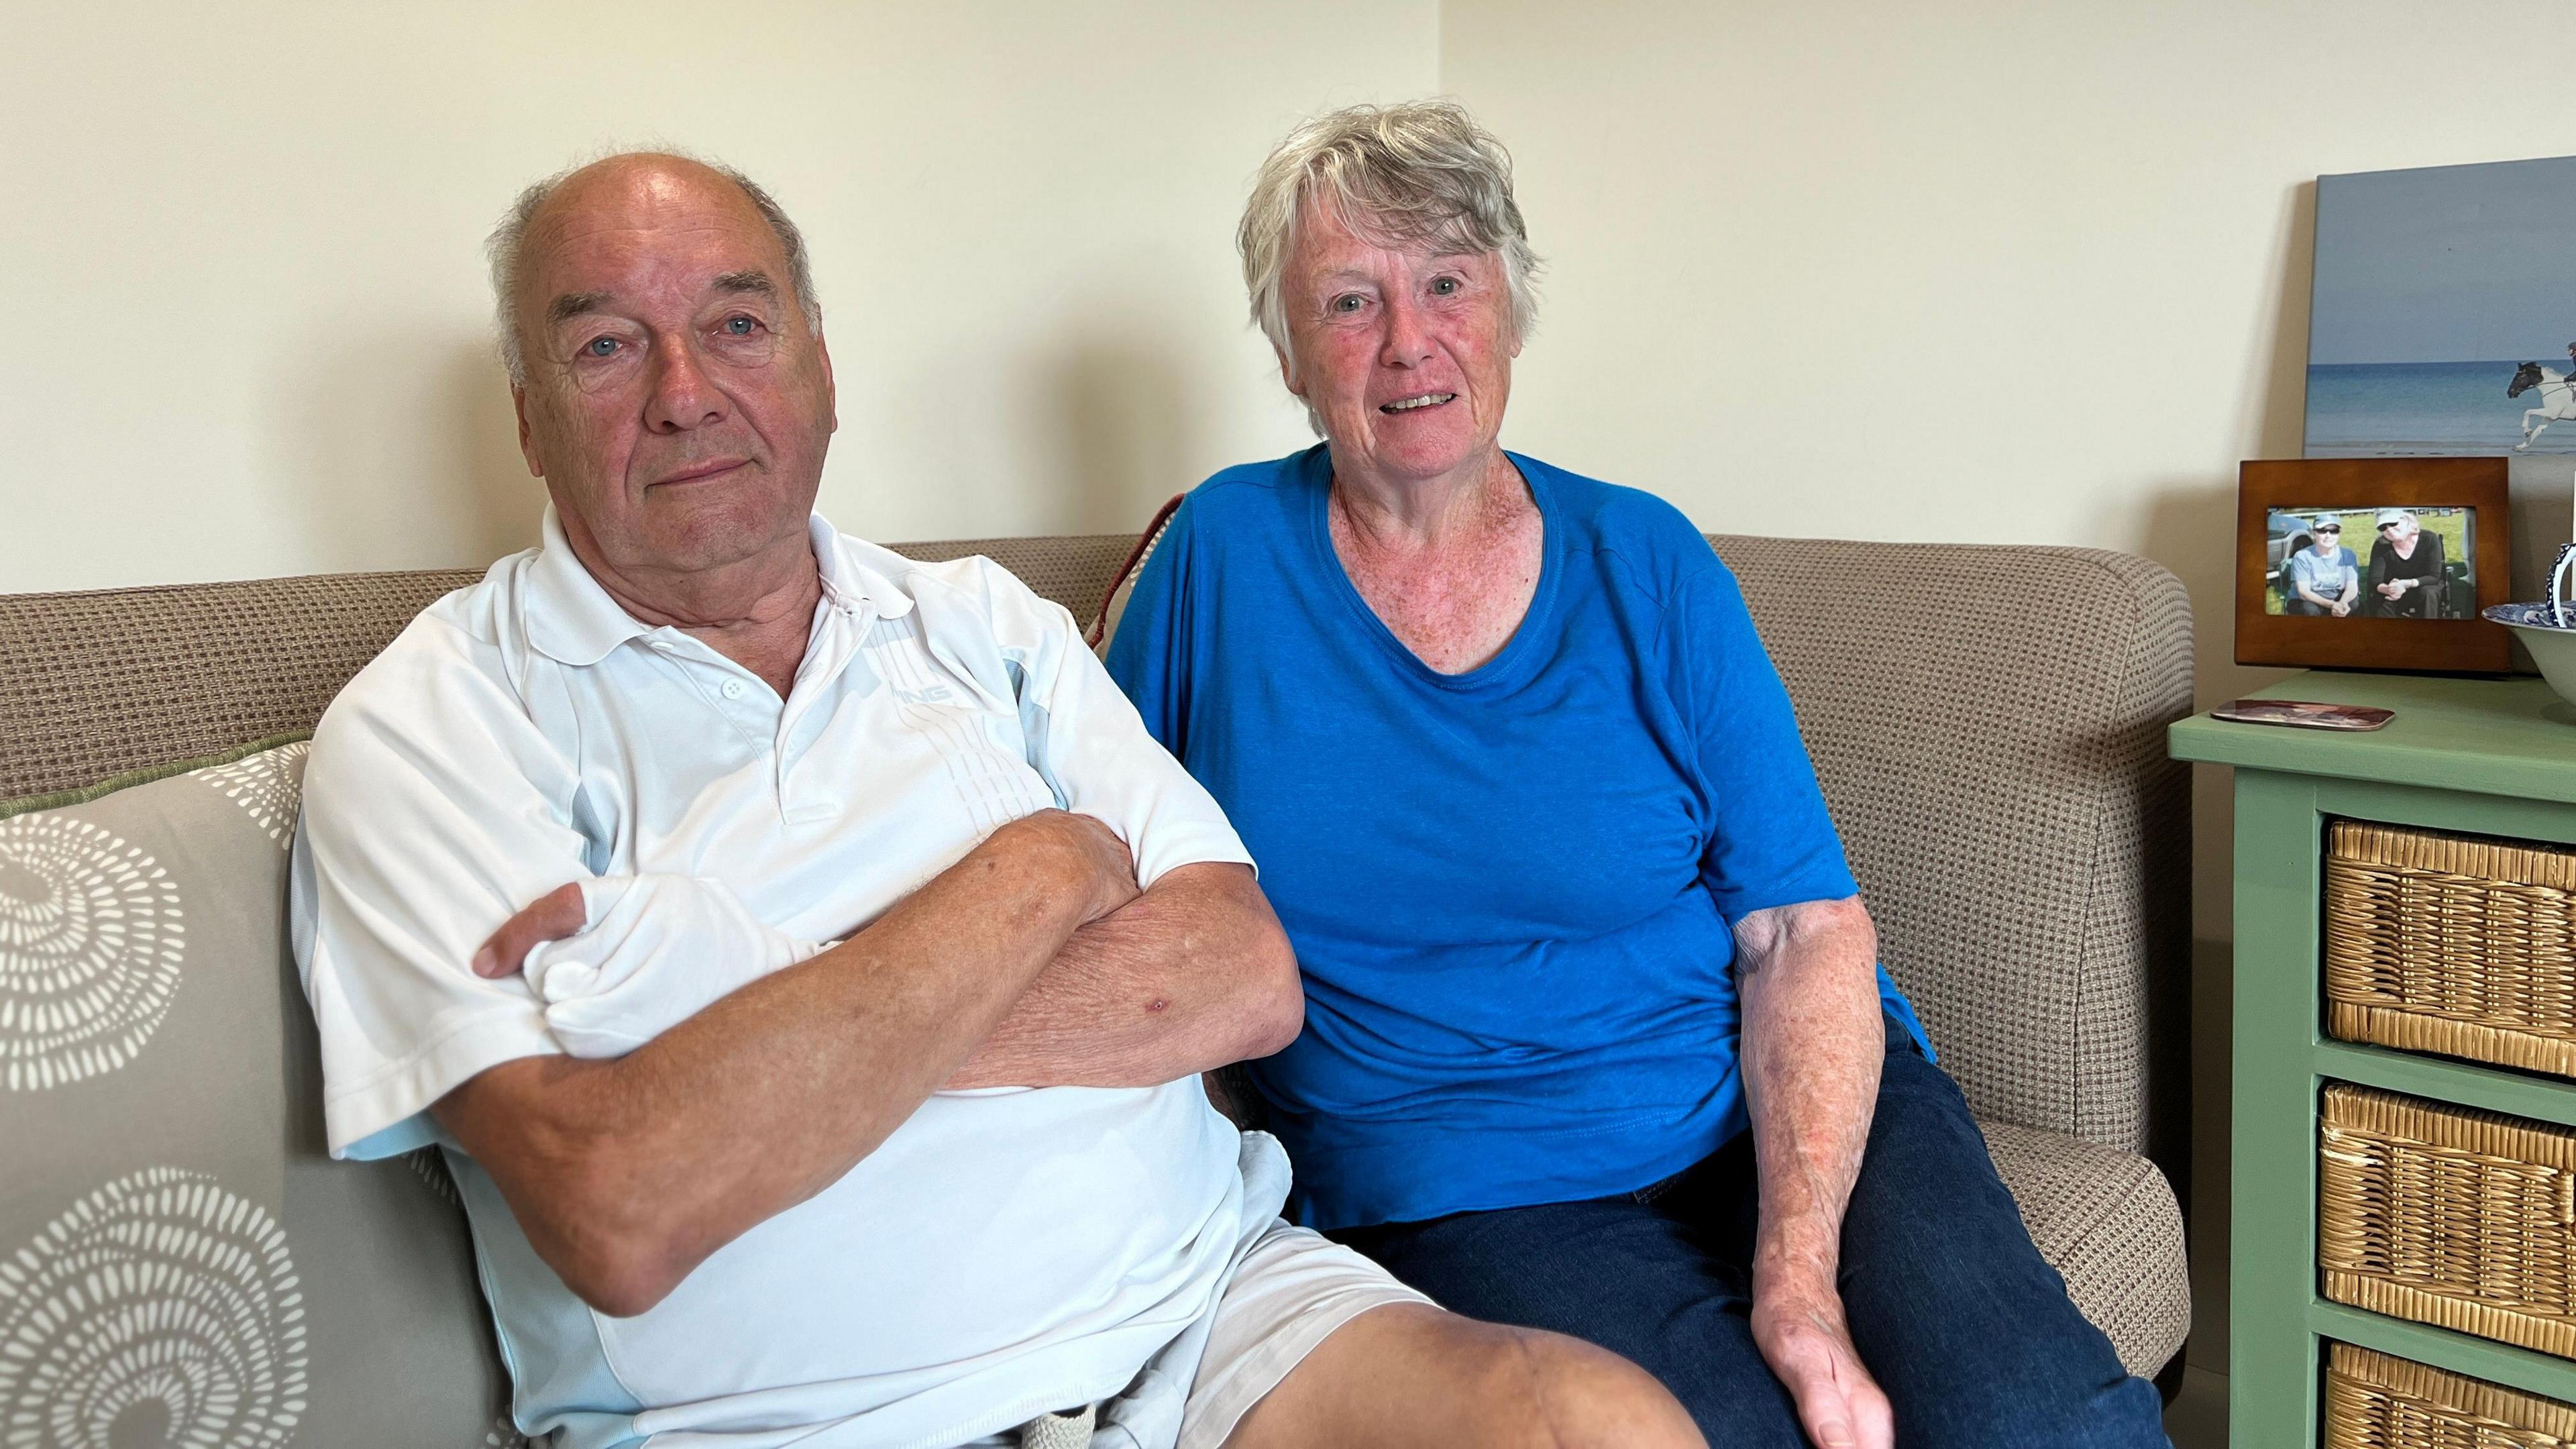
x=1510 y=662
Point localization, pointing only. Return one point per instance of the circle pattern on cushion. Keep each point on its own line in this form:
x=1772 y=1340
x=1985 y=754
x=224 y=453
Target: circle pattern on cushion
x=268 y=785
x=90 y=943
x=160 y=1310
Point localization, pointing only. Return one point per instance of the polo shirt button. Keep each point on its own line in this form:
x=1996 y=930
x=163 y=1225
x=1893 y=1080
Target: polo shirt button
x=733 y=689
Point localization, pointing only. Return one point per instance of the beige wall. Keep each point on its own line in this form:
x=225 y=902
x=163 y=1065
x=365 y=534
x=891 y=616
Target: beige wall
x=242 y=243
x=2023 y=272
x=2015 y=272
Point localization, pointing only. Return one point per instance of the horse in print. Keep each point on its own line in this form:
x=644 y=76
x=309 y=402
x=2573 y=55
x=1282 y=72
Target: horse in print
x=2557 y=399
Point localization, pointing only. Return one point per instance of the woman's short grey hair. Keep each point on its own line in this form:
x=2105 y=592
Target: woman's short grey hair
x=1421 y=171
x=504 y=244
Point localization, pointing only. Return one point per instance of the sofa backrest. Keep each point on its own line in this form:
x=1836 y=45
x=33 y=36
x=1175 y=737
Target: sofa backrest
x=1988 y=723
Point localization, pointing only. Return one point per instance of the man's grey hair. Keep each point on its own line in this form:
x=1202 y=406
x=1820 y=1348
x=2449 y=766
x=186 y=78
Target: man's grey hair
x=503 y=247
x=1421 y=171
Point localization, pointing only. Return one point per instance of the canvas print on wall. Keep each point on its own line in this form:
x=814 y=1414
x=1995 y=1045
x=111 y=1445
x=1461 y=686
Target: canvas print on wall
x=2443 y=320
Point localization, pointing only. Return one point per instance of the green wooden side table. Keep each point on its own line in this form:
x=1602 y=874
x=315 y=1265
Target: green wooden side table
x=2486 y=757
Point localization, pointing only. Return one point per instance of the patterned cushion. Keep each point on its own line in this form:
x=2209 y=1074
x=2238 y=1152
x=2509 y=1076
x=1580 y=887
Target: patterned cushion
x=180 y=1264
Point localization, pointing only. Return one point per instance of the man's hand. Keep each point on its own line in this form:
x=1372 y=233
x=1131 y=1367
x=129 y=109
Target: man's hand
x=1806 y=1341
x=627 y=1173
x=1110 y=866
x=550 y=917
x=1111 y=870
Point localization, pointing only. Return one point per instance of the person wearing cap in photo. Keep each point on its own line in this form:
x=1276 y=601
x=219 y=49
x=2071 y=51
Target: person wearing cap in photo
x=2405 y=580
x=2324 y=578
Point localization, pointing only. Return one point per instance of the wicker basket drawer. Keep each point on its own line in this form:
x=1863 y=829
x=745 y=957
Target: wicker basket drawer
x=2448 y=1216
x=2377 y=1402
x=2451 y=944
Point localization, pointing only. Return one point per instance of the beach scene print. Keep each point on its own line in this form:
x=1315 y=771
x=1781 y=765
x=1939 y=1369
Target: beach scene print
x=2443 y=317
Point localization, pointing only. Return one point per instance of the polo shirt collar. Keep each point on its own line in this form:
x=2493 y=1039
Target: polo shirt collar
x=574 y=621
x=849 y=585
x=570 y=618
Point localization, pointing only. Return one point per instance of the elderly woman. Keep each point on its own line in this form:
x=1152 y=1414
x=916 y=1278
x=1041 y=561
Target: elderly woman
x=1595 y=1038
x=2405 y=579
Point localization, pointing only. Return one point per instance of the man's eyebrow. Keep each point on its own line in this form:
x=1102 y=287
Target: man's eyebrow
x=574 y=304
x=754 y=283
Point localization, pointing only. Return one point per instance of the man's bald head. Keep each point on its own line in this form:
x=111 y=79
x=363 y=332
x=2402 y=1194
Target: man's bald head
x=669 y=373
x=545 y=201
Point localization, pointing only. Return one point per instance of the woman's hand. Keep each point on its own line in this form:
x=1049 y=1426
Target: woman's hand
x=1813 y=1039
x=1804 y=1338
x=2339 y=608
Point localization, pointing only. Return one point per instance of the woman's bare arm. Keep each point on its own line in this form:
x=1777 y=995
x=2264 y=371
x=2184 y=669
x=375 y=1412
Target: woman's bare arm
x=1813 y=1040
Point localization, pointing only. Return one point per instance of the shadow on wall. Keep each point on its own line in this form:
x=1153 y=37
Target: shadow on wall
x=2190 y=528
x=1125 y=421
x=2282 y=422
x=403 y=468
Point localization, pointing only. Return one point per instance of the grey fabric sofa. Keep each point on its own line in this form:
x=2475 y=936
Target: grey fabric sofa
x=1988 y=723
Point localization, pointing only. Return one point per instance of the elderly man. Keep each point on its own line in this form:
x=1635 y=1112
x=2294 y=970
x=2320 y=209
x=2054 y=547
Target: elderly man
x=951 y=1174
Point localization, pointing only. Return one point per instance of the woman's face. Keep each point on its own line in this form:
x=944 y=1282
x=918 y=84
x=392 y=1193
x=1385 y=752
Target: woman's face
x=2401 y=534
x=1405 y=352
x=2329 y=538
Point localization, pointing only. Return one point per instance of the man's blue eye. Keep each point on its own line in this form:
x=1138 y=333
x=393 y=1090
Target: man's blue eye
x=738 y=326
x=1445 y=286
x=601 y=346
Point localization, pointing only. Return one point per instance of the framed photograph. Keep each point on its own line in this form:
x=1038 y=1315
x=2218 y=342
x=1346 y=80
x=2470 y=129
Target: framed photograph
x=2372 y=563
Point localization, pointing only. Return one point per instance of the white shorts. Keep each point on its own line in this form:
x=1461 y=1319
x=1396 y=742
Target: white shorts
x=1291 y=1288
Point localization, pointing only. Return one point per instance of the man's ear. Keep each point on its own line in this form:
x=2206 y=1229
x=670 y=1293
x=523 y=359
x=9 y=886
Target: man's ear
x=831 y=393
x=527 y=443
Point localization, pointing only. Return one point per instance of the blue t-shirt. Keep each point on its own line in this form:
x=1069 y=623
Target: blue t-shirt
x=1510 y=889
x=2327 y=578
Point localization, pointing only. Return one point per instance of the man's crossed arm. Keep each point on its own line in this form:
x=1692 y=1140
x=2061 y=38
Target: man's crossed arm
x=1034 y=961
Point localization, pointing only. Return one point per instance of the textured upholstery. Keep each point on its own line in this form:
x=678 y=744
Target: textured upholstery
x=2108 y=1222
x=1989 y=726
x=97 y=684
x=1987 y=723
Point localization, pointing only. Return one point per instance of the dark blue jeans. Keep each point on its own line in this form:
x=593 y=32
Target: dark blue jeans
x=1956 y=1315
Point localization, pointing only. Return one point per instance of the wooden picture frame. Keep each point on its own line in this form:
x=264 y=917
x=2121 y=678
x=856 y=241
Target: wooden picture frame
x=2468 y=645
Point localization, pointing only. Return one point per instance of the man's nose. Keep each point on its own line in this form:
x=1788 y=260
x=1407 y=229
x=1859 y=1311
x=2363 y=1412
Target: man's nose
x=683 y=397
x=1407 y=343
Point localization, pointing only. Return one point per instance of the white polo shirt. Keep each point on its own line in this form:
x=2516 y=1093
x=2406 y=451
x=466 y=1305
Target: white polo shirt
x=1004 y=1252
